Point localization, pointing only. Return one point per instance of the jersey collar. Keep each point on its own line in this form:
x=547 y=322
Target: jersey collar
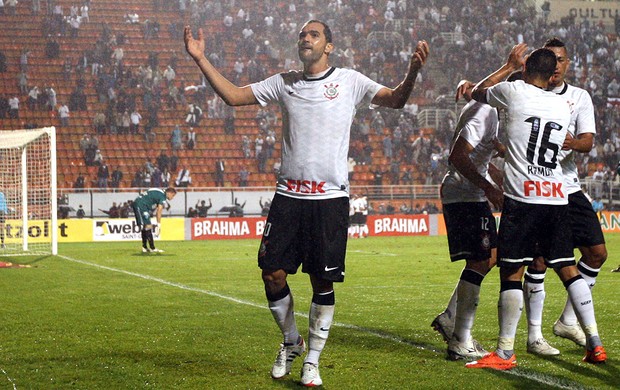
x=326 y=75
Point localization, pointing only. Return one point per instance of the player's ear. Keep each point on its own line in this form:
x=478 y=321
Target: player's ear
x=329 y=48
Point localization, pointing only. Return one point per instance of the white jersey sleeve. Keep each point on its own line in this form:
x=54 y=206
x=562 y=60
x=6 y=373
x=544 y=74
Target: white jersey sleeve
x=582 y=122
x=537 y=124
x=316 y=123
x=477 y=125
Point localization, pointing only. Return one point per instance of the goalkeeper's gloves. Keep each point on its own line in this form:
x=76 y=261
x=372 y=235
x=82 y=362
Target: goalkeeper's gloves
x=156 y=230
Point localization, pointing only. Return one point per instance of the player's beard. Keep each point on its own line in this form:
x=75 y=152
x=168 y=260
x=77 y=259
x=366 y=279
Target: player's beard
x=309 y=56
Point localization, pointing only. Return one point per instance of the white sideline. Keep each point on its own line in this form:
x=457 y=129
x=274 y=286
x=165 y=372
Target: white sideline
x=519 y=372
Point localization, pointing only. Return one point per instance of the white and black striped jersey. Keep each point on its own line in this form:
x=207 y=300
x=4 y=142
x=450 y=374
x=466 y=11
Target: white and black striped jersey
x=316 y=120
x=581 y=121
x=477 y=125
x=537 y=123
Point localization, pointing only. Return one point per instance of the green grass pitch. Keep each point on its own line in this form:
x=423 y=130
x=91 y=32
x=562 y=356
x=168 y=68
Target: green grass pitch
x=106 y=316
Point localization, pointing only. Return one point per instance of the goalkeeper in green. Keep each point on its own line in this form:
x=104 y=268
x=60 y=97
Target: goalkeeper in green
x=154 y=199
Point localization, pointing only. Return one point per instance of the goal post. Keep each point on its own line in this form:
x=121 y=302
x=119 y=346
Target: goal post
x=28 y=203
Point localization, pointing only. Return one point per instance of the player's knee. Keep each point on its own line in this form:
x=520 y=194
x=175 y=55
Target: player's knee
x=596 y=259
x=480 y=266
x=274 y=280
x=538 y=265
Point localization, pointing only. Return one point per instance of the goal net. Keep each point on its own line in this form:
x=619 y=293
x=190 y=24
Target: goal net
x=28 y=203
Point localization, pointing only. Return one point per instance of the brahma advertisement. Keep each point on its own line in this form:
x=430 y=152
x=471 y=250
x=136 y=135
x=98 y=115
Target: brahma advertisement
x=227 y=228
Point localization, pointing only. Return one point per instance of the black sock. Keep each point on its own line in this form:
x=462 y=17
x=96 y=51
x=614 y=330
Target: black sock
x=149 y=236
x=143 y=234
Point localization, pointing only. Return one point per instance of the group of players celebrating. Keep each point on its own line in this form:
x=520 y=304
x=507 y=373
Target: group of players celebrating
x=545 y=214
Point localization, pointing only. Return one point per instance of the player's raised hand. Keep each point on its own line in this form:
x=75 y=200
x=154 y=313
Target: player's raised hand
x=195 y=47
x=463 y=89
x=418 y=58
x=516 y=58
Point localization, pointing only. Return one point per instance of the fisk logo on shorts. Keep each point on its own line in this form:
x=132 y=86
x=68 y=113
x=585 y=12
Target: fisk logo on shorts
x=542 y=188
x=305 y=186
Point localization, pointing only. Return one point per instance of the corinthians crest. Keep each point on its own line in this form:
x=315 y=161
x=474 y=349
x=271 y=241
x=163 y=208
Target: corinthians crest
x=331 y=91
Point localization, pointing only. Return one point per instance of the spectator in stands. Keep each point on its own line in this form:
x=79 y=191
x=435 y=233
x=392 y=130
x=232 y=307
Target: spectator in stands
x=4 y=107
x=99 y=123
x=220 y=169
x=113 y=212
x=258 y=146
x=245 y=146
x=117 y=176
x=191 y=139
x=176 y=138
x=162 y=161
x=98 y=159
x=103 y=174
x=14 y=107
x=264 y=206
x=1 y=7
x=244 y=175
x=202 y=208
x=237 y=209
x=184 y=178
x=125 y=123
x=80 y=213
x=22 y=82
x=377 y=124
x=51 y=99
x=79 y=183
x=194 y=115
x=134 y=126
x=63 y=114
x=192 y=213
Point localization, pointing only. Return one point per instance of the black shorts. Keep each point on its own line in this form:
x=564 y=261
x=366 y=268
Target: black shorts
x=584 y=222
x=472 y=231
x=309 y=232
x=530 y=230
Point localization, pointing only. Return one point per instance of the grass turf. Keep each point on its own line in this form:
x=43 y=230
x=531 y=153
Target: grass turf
x=106 y=316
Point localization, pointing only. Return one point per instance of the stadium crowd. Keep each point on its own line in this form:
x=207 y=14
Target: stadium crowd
x=467 y=39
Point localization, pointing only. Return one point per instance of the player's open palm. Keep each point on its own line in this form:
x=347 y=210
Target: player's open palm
x=419 y=56
x=194 y=46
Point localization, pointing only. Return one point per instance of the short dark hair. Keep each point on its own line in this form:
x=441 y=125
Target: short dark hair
x=516 y=75
x=541 y=62
x=554 y=42
x=326 y=29
x=171 y=189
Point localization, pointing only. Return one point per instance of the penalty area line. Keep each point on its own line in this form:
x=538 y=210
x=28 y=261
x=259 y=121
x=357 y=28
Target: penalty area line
x=519 y=372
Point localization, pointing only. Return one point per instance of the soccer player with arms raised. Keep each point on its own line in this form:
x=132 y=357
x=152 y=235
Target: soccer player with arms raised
x=535 y=217
x=308 y=220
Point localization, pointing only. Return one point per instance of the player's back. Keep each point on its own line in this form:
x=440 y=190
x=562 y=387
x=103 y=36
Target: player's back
x=537 y=124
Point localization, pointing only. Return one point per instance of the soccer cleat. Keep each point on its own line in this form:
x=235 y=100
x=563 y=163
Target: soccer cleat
x=469 y=351
x=571 y=332
x=596 y=356
x=616 y=269
x=493 y=361
x=284 y=360
x=310 y=375
x=156 y=250
x=145 y=250
x=541 y=347
x=444 y=325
